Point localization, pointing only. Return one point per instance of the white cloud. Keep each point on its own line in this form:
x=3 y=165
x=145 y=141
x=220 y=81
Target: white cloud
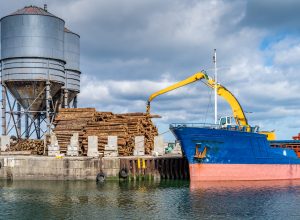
x=131 y=49
x=287 y=52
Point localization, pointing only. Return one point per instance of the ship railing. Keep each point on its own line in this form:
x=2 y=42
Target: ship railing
x=195 y=125
x=215 y=126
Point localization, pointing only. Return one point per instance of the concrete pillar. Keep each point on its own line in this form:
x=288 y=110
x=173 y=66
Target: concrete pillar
x=112 y=142
x=139 y=146
x=93 y=146
x=73 y=147
x=53 y=139
x=159 y=148
x=111 y=149
x=53 y=148
x=5 y=142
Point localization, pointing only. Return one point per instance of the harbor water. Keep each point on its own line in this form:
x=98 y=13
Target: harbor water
x=149 y=200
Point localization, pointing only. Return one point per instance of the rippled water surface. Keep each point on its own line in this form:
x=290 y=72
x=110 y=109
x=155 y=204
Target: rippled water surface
x=145 y=200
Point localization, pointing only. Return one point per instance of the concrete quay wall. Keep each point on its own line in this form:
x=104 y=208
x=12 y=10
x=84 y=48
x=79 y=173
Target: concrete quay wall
x=85 y=168
x=52 y=168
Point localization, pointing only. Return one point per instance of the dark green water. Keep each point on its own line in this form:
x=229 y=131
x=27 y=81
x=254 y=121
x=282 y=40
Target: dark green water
x=144 y=200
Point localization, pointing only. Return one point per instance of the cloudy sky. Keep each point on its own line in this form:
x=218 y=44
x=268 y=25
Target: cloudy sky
x=132 y=48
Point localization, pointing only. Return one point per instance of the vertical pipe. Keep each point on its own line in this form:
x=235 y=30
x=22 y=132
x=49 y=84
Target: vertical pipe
x=48 y=106
x=4 y=131
x=66 y=97
x=75 y=102
x=65 y=91
x=26 y=126
x=61 y=99
x=19 y=119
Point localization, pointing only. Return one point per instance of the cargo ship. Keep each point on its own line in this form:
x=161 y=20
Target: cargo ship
x=232 y=149
x=228 y=153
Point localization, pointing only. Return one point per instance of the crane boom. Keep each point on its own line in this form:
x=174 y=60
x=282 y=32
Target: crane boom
x=191 y=79
x=237 y=110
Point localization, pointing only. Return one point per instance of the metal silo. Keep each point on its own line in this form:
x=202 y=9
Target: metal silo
x=72 y=67
x=32 y=58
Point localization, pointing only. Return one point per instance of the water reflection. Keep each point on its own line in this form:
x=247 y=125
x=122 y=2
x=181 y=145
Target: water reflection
x=243 y=185
x=148 y=200
x=246 y=199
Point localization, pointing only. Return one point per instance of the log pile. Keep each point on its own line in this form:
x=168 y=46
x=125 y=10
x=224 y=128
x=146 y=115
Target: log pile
x=35 y=146
x=103 y=124
x=70 y=121
x=125 y=126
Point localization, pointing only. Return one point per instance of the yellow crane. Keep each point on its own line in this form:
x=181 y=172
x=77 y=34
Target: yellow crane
x=237 y=110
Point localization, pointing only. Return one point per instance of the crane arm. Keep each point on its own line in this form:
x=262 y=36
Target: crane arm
x=237 y=110
x=191 y=79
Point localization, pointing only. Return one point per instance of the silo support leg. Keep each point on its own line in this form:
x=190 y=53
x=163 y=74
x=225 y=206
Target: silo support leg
x=4 y=130
x=19 y=119
x=48 y=107
x=27 y=128
x=38 y=127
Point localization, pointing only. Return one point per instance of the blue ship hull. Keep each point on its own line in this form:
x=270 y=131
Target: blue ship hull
x=233 y=150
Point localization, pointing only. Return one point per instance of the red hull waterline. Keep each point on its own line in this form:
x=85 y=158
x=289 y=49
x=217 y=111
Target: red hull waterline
x=213 y=172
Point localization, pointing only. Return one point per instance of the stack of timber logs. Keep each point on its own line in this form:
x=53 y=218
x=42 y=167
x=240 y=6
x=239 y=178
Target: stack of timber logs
x=36 y=147
x=88 y=122
x=70 y=121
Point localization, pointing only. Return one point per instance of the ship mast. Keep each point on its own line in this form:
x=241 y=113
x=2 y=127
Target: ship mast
x=216 y=83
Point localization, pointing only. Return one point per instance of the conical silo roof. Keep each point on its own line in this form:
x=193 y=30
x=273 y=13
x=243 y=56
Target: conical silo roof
x=32 y=10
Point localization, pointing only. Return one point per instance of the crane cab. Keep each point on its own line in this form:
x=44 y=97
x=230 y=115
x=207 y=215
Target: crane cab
x=225 y=121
